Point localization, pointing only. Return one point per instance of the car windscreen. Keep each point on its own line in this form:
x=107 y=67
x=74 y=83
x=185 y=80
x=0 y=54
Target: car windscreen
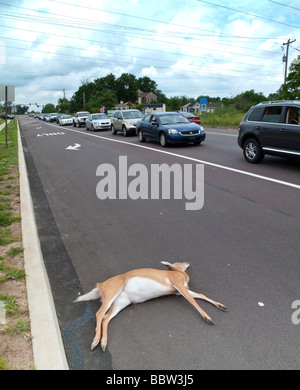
x=99 y=116
x=174 y=118
x=132 y=114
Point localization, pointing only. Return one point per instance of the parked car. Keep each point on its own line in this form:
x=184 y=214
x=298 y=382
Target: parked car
x=191 y=117
x=65 y=120
x=97 y=122
x=52 y=117
x=125 y=121
x=110 y=113
x=270 y=128
x=46 y=117
x=3 y=116
x=169 y=127
x=59 y=116
x=80 y=118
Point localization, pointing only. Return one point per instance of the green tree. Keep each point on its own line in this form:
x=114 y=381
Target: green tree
x=48 y=108
x=291 y=89
x=63 y=105
x=104 y=98
x=126 y=88
x=145 y=84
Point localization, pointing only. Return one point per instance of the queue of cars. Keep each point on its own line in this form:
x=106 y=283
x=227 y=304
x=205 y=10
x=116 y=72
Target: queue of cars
x=271 y=127
x=164 y=127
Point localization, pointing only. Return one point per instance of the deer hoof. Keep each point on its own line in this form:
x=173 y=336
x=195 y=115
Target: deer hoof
x=223 y=307
x=209 y=321
x=94 y=344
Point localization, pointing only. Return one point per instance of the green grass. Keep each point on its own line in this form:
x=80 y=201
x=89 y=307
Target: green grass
x=3 y=365
x=223 y=117
x=8 y=159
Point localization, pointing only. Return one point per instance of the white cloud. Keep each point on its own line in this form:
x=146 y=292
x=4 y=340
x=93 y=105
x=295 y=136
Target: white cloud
x=198 y=49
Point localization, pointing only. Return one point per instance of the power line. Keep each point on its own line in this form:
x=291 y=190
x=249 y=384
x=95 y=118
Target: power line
x=248 y=13
x=284 y=5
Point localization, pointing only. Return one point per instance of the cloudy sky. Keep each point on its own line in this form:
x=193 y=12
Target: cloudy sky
x=48 y=48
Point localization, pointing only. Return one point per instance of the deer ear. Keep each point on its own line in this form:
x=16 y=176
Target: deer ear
x=167 y=264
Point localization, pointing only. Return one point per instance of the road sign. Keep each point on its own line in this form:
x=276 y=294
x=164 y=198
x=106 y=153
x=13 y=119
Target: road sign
x=10 y=93
x=203 y=101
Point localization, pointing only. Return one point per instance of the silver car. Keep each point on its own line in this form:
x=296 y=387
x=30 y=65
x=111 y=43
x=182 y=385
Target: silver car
x=125 y=121
x=97 y=122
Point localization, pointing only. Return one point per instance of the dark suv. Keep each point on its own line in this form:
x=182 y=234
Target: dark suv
x=271 y=128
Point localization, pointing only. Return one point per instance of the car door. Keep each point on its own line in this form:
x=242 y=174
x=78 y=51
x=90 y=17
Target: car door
x=291 y=129
x=153 y=128
x=119 y=120
x=271 y=127
x=88 y=122
x=115 y=120
x=144 y=127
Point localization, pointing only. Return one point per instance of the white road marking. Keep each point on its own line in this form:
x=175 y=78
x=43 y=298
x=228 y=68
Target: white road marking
x=266 y=178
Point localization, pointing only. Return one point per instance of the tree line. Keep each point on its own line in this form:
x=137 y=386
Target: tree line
x=109 y=90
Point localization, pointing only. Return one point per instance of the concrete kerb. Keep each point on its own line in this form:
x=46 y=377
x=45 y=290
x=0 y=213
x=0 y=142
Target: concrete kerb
x=48 y=349
x=3 y=125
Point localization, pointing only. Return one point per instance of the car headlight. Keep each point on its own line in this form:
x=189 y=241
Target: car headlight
x=172 y=131
x=201 y=129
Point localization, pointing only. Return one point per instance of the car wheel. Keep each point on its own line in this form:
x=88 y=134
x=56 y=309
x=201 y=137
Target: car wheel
x=74 y=124
x=162 y=140
x=124 y=131
x=252 y=151
x=92 y=128
x=113 y=130
x=140 y=136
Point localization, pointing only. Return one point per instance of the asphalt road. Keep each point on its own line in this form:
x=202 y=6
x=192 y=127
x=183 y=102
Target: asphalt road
x=243 y=246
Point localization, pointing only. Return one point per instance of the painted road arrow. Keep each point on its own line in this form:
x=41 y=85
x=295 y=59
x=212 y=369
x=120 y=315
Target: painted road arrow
x=75 y=147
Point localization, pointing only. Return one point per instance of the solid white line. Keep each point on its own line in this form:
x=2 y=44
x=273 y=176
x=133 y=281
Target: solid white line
x=285 y=183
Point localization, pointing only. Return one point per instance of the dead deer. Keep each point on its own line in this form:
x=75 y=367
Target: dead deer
x=138 y=286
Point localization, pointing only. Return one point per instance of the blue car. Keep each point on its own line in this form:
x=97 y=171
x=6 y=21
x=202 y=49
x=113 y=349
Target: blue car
x=169 y=128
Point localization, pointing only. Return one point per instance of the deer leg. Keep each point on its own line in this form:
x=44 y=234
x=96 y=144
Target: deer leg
x=119 y=304
x=184 y=292
x=201 y=296
x=108 y=300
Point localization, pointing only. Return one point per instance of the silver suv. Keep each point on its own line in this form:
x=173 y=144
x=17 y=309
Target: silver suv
x=271 y=128
x=125 y=121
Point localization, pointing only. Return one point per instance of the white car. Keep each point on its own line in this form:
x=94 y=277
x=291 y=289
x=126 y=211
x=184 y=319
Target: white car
x=97 y=122
x=65 y=120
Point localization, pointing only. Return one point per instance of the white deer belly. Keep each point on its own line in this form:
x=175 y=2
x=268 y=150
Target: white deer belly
x=140 y=289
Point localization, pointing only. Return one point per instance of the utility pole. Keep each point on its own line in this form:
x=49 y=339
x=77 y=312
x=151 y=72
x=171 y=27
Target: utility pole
x=286 y=57
x=64 y=91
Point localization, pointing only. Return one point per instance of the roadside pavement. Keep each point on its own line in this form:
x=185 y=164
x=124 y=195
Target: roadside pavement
x=48 y=349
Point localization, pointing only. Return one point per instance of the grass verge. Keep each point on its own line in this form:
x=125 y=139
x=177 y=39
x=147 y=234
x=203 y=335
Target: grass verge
x=15 y=335
x=223 y=117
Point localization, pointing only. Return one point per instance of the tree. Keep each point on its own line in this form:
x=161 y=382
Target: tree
x=291 y=89
x=104 y=98
x=126 y=88
x=48 y=109
x=145 y=84
x=63 y=105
